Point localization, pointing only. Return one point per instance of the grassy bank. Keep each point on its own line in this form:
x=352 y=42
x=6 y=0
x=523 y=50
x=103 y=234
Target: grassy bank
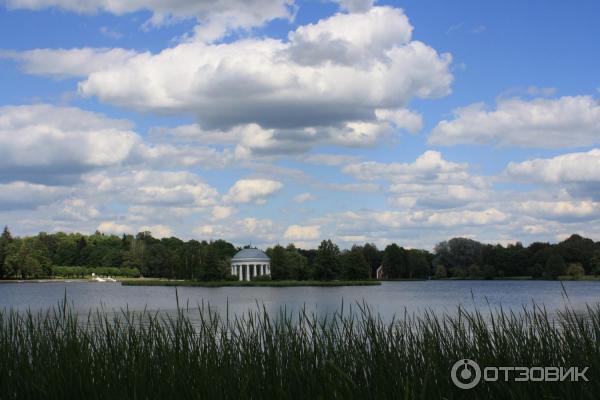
x=165 y=282
x=53 y=356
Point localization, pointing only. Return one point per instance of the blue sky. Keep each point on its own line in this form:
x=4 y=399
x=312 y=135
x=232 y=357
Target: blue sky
x=271 y=121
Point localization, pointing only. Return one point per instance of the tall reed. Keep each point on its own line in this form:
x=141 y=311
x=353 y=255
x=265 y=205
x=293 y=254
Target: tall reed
x=349 y=355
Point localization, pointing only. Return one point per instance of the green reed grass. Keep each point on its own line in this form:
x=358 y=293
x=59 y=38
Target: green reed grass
x=349 y=355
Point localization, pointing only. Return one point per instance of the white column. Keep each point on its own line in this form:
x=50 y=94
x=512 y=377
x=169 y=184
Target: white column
x=239 y=272
x=247 y=272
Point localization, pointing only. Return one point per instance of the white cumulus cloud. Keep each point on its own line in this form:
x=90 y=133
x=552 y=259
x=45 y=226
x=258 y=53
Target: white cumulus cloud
x=214 y=17
x=345 y=80
x=252 y=190
x=302 y=232
x=41 y=141
x=569 y=121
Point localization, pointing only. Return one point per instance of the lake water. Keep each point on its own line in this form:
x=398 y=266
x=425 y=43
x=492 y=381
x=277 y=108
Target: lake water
x=391 y=298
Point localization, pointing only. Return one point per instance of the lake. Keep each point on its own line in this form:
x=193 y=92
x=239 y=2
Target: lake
x=391 y=298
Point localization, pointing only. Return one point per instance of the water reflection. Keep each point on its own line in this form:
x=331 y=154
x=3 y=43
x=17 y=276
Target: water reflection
x=387 y=300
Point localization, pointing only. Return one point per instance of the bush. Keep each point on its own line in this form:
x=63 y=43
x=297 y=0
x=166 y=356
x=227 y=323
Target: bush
x=440 y=272
x=262 y=278
x=575 y=270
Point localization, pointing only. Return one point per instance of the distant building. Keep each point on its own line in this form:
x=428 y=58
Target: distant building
x=250 y=263
x=379 y=273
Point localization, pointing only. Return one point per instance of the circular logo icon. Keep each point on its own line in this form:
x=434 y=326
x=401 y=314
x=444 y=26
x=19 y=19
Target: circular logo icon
x=465 y=374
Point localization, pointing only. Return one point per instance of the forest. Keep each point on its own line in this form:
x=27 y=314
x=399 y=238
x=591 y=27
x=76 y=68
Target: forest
x=75 y=255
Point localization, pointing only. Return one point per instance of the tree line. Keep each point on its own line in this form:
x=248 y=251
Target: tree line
x=78 y=255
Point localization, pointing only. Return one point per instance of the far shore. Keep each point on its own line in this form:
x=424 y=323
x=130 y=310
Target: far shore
x=286 y=283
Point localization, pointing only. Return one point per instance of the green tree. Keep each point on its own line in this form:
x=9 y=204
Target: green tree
x=327 y=261
x=394 y=261
x=577 y=249
x=418 y=265
x=537 y=271
x=212 y=267
x=488 y=271
x=595 y=263
x=555 y=266
x=297 y=263
x=279 y=267
x=355 y=265
x=5 y=241
x=373 y=257
x=21 y=259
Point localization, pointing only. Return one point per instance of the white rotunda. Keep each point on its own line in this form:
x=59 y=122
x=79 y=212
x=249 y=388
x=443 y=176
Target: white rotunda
x=250 y=263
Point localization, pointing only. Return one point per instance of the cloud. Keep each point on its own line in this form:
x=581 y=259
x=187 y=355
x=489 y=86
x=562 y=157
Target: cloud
x=401 y=118
x=76 y=209
x=215 y=17
x=69 y=63
x=570 y=121
x=194 y=133
x=276 y=85
x=222 y=212
x=435 y=196
x=329 y=159
x=44 y=143
x=56 y=145
x=566 y=211
x=430 y=166
x=299 y=232
x=418 y=228
x=430 y=182
x=169 y=155
x=245 y=231
x=566 y=168
x=433 y=219
x=158 y=231
x=355 y=5
x=579 y=172
x=25 y=195
x=454 y=27
x=252 y=140
x=350 y=39
x=354 y=187
x=110 y=33
x=156 y=188
x=111 y=227
x=252 y=190
x=304 y=197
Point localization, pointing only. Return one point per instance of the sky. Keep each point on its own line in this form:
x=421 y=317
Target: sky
x=287 y=121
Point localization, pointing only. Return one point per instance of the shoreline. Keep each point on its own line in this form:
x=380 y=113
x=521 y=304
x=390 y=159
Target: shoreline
x=159 y=282
x=286 y=283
